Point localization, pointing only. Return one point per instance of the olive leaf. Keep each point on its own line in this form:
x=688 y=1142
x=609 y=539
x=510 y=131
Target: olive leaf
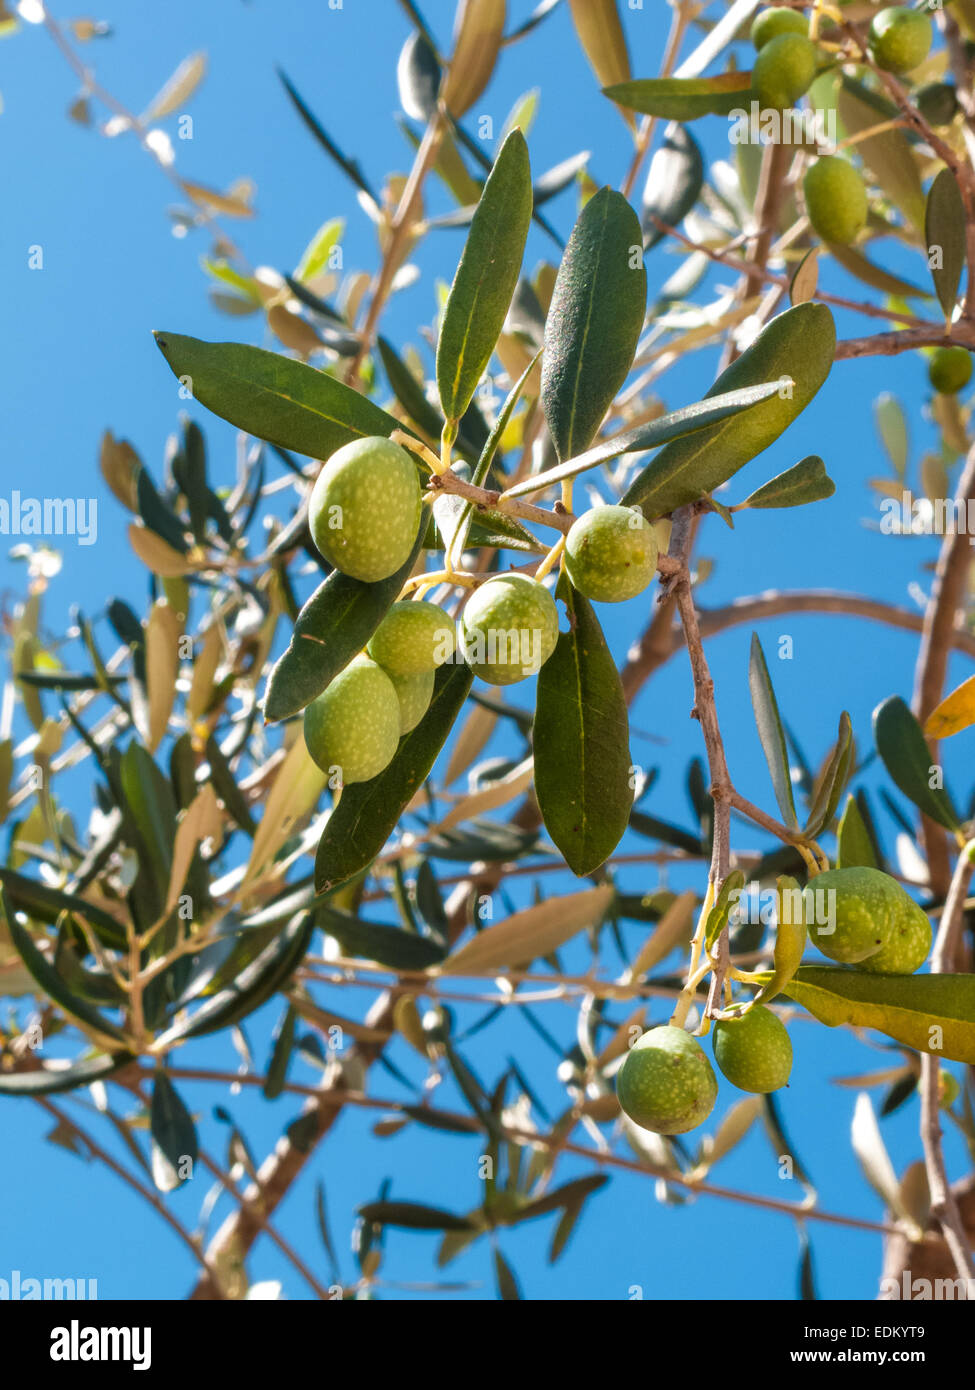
x=582 y=742
x=931 y=1013
x=368 y=812
x=333 y=627
x=834 y=778
x=888 y=155
x=478 y=31
x=675 y=424
x=673 y=184
x=724 y=903
x=684 y=98
x=594 y=320
x=174 y=1143
x=790 y=939
x=770 y=731
x=906 y=756
x=273 y=397
x=400 y=950
x=955 y=712
x=597 y=24
x=533 y=932
x=50 y=1078
x=804 y=482
x=944 y=237
x=797 y=348
x=855 y=847
x=486 y=277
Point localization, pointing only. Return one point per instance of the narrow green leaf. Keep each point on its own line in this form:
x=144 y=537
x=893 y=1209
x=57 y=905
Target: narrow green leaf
x=400 y=950
x=582 y=742
x=508 y=1288
x=790 y=939
x=855 y=847
x=889 y=155
x=174 y=1144
x=50 y=979
x=673 y=184
x=718 y=916
x=368 y=812
x=273 y=397
x=770 y=731
x=804 y=482
x=413 y=1216
x=409 y=392
x=348 y=166
x=906 y=756
x=453 y=514
x=45 y=904
x=684 y=98
x=485 y=278
x=797 y=348
x=834 y=779
x=333 y=627
x=277 y=1067
x=594 y=321
x=251 y=987
x=944 y=237
x=931 y=1013
x=49 y=1080
x=676 y=424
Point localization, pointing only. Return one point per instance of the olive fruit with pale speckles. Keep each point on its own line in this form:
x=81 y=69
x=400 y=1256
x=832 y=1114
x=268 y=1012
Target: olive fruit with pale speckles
x=509 y=629
x=413 y=637
x=908 y=944
x=414 y=694
x=836 y=199
x=900 y=38
x=666 y=1083
x=769 y=24
x=754 y=1051
x=850 y=913
x=611 y=553
x=352 y=729
x=784 y=70
x=365 y=507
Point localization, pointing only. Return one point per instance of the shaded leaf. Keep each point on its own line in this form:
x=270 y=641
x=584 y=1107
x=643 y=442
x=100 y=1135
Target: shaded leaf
x=333 y=627
x=401 y=950
x=368 y=812
x=944 y=237
x=907 y=758
x=674 y=182
x=174 y=1144
x=581 y=742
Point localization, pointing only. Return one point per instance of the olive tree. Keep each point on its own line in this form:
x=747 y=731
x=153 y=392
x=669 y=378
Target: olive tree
x=297 y=816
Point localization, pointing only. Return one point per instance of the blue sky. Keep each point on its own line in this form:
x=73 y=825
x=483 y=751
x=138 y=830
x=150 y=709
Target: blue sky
x=78 y=358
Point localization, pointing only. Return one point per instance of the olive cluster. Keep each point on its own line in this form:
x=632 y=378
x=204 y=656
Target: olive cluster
x=365 y=511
